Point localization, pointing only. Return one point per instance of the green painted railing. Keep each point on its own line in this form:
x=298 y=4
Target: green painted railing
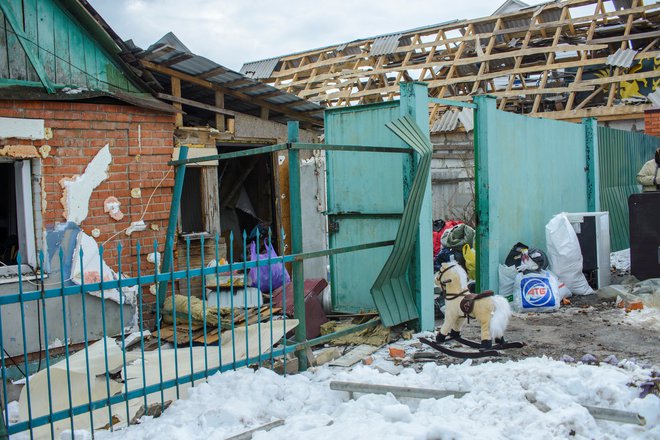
x=186 y=371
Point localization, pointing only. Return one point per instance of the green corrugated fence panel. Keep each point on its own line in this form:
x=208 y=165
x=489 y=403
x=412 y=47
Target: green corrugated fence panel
x=621 y=155
x=391 y=291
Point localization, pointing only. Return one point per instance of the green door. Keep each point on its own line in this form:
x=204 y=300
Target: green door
x=366 y=196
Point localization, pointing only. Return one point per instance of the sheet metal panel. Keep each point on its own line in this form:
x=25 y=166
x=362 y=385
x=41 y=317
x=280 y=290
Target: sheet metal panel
x=527 y=170
x=260 y=69
x=366 y=193
x=385 y=45
x=622 y=58
x=621 y=155
x=197 y=65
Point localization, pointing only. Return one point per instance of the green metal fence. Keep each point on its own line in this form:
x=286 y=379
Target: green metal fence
x=621 y=155
x=106 y=385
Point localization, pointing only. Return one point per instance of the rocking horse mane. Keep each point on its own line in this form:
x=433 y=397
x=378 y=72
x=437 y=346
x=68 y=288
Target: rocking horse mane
x=458 y=269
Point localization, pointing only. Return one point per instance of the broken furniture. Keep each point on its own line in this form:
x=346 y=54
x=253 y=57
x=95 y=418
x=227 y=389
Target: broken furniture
x=314 y=314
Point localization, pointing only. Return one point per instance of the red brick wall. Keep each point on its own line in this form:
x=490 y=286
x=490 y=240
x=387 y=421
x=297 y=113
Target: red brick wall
x=652 y=122
x=80 y=130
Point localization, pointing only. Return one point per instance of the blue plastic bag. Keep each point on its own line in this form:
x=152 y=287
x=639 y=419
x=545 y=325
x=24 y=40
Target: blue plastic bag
x=277 y=270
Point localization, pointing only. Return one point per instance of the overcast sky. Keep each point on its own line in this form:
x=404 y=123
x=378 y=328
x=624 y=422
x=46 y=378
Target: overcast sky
x=232 y=32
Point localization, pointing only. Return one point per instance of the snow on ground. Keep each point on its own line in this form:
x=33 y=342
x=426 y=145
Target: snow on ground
x=495 y=407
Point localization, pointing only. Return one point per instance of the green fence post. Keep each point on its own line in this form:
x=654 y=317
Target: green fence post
x=171 y=224
x=593 y=177
x=3 y=428
x=295 y=205
x=485 y=107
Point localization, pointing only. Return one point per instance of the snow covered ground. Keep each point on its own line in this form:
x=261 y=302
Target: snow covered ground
x=494 y=408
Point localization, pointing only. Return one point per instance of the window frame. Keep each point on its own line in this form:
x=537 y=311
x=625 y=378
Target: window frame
x=24 y=216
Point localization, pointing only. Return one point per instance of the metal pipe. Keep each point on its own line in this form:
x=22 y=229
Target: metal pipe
x=416 y=393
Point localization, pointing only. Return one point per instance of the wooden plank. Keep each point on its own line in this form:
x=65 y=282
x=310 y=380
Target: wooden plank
x=354 y=356
x=210 y=201
x=61 y=41
x=91 y=73
x=176 y=59
x=76 y=55
x=175 y=84
x=18 y=63
x=220 y=118
x=246 y=98
x=46 y=38
x=211 y=73
x=196 y=104
x=4 y=47
x=30 y=26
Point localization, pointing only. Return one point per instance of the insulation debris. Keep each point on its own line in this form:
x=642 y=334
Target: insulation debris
x=19 y=151
x=112 y=206
x=375 y=336
x=93 y=266
x=78 y=189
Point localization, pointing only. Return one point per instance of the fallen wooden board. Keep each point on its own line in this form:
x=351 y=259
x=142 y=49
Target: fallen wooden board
x=354 y=356
x=247 y=435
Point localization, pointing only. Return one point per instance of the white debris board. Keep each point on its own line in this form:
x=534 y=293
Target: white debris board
x=354 y=356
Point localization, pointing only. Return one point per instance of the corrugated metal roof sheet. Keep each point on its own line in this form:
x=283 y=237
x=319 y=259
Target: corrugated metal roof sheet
x=466 y=117
x=385 y=45
x=622 y=4
x=622 y=58
x=447 y=122
x=654 y=98
x=451 y=118
x=260 y=69
x=178 y=57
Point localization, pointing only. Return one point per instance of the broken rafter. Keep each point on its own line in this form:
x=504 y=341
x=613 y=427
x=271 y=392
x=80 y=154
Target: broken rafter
x=522 y=59
x=174 y=74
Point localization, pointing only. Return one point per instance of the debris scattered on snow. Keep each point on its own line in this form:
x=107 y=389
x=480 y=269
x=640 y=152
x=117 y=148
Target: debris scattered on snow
x=228 y=404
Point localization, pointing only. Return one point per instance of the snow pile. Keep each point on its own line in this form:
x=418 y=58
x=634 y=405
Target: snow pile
x=495 y=407
x=648 y=318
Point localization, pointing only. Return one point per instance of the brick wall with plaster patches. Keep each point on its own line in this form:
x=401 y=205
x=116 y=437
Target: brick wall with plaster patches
x=79 y=131
x=652 y=122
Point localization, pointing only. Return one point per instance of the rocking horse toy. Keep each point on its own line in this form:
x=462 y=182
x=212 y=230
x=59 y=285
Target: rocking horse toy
x=492 y=312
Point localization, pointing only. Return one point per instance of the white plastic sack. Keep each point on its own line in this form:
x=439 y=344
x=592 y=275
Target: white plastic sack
x=536 y=292
x=507 y=275
x=565 y=254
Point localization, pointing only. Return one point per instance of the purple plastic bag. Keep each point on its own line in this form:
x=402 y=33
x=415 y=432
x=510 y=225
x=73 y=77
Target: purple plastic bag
x=277 y=270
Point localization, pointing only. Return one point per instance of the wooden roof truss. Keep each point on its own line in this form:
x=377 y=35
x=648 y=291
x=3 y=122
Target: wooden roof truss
x=549 y=60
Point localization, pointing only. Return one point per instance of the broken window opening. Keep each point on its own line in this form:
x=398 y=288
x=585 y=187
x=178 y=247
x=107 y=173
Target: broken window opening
x=8 y=219
x=246 y=188
x=16 y=217
x=192 y=221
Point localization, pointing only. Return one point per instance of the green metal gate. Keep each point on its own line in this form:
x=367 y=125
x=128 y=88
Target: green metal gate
x=366 y=197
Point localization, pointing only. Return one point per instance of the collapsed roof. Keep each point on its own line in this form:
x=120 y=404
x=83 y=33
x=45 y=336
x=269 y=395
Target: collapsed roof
x=563 y=59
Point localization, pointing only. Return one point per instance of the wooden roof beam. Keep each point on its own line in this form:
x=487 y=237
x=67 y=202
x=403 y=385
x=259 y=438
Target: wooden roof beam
x=235 y=93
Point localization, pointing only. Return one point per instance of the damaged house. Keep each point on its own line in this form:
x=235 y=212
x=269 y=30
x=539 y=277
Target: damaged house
x=88 y=124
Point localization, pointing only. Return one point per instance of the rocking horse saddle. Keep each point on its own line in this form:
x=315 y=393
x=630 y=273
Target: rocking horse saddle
x=467 y=303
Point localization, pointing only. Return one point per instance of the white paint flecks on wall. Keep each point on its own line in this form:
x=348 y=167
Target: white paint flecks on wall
x=78 y=189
